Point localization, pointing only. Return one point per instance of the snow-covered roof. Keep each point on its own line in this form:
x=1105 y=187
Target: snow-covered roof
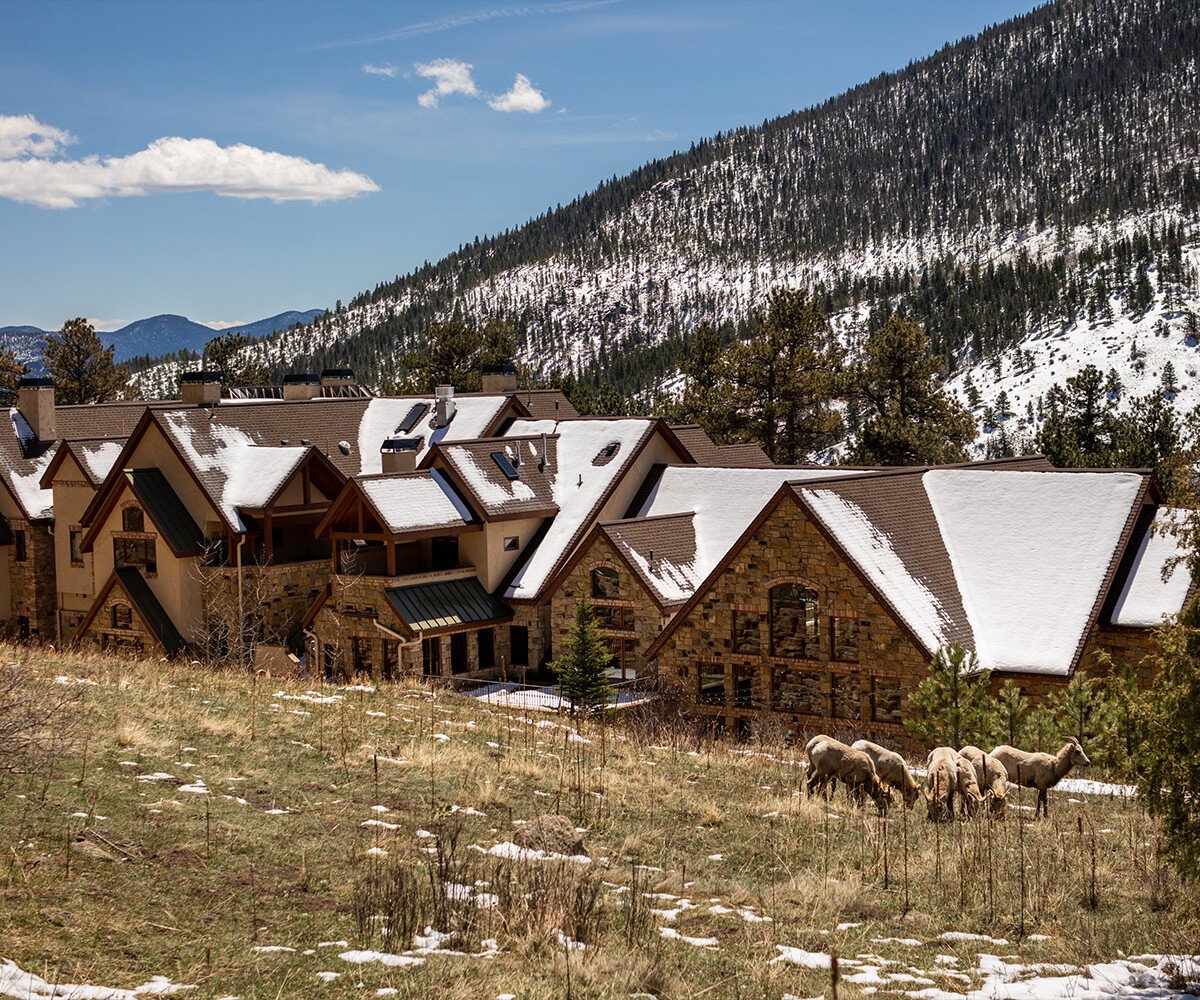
x=723 y=501
x=530 y=494
x=473 y=415
x=236 y=471
x=415 y=501
x=97 y=457
x=1031 y=552
x=586 y=467
x=1159 y=580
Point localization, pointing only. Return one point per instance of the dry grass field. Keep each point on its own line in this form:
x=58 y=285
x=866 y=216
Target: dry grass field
x=254 y=838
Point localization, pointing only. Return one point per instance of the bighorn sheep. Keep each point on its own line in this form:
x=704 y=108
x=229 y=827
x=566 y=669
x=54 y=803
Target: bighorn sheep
x=942 y=769
x=992 y=778
x=970 y=797
x=830 y=759
x=1041 y=770
x=891 y=768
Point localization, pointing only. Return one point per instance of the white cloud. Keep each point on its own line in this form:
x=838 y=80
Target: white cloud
x=450 y=76
x=24 y=135
x=380 y=69
x=522 y=96
x=29 y=175
x=222 y=324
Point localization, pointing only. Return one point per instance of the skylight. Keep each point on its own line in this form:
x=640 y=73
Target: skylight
x=505 y=465
x=413 y=415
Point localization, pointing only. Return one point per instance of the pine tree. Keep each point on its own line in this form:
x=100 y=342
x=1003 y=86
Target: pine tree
x=1126 y=719
x=11 y=371
x=952 y=707
x=1168 y=377
x=909 y=419
x=1011 y=706
x=1169 y=753
x=82 y=366
x=583 y=668
x=1042 y=730
x=226 y=354
x=1081 y=710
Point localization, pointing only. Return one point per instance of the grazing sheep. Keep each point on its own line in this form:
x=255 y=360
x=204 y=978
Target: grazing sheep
x=992 y=778
x=1041 y=770
x=970 y=797
x=891 y=768
x=830 y=759
x=942 y=769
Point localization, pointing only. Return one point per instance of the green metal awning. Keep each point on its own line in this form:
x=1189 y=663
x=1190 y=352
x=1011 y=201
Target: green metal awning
x=152 y=612
x=445 y=604
x=166 y=510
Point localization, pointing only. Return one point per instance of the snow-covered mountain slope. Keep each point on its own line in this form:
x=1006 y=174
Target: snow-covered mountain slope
x=995 y=191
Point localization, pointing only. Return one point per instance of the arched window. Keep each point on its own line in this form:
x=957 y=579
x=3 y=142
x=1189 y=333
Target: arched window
x=606 y=583
x=795 y=621
x=132 y=519
x=122 y=616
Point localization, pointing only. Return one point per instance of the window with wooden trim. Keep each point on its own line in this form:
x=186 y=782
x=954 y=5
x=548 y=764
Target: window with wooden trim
x=391 y=659
x=139 y=552
x=75 y=539
x=623 y=665
x=606 y=582
x=799 y=691
x=363 y=660
x=133 y=519
x=743 y=685
x=844 y=636
x=122 y=616
x=20 y=551
x=885 y=699
x=795 y=621
x=747 y=637
x=846 y=696
x=512 y=543
x=609 y=617
x=710 y=684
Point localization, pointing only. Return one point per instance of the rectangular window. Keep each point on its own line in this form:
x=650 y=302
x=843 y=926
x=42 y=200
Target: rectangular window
x=746 y=638
x=711 y=689
x=614 y=618
x=135 y=552
x=431 y=657
x=743 y=685
x=606 y=583
x=798 y=691
x=847 y=690
x=20 y=553
x=795 y=628
x=391 y=659
x=444 y=553
x=362 y=656
x=512 y=543
x=487 y=648
x=518 y=645
x=76 y=540
x=843 y=639
x=459 y=663
x=885 y=699
x=132 y=519
x=122 y=616
x=623 y=665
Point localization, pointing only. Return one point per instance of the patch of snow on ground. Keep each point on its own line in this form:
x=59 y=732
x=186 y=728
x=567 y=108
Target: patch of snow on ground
x=15 y=982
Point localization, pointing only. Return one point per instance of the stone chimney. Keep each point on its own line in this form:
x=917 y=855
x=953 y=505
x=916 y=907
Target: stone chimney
x=443 y=405
x=500 y=378
x=35 y=400
x=400 y=454
x=301 y=385
x=338 y=376
x=200 y=388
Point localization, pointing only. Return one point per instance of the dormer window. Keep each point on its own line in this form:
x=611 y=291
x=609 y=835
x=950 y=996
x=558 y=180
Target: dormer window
x=607 y=453
x=133 y=519
x=122 y=616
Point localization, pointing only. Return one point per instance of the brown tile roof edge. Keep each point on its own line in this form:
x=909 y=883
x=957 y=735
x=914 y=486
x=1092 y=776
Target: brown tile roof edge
x=669 y=534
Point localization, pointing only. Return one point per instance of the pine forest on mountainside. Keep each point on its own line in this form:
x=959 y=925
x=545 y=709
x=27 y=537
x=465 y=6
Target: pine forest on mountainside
x=1041 y=177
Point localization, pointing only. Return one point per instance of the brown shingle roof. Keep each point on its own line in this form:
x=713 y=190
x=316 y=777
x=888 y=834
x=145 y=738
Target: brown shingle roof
x=531 y=494
x=705 y=451
x=547 y=404
x=661 y=550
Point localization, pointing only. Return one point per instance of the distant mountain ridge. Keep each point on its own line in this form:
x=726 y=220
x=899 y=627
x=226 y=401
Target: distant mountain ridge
x=157 y=335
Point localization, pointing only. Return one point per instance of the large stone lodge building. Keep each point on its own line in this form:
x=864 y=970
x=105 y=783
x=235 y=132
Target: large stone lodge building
x=328 y=529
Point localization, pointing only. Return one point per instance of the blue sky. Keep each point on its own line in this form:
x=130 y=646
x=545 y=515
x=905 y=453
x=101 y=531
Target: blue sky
x=376 y=171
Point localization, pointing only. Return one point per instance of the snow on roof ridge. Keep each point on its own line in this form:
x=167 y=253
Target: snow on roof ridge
x=382 y=416
x=1030 y=550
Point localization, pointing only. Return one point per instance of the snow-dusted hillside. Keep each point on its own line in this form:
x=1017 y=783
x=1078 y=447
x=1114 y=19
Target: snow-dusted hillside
x=984 y=190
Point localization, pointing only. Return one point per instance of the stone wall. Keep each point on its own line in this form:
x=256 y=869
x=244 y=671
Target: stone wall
x=819 y=691
x=643 y=619
x=344 y=638
x=281 y=593
x=32 y=588
x=104 y=634
x=1133 y=646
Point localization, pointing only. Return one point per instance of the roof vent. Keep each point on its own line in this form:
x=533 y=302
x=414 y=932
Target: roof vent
x=344 y=447
x=444 y=405
x=607 y=453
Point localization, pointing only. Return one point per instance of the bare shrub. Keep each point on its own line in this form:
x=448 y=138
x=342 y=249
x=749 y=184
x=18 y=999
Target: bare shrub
x=39 y=721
